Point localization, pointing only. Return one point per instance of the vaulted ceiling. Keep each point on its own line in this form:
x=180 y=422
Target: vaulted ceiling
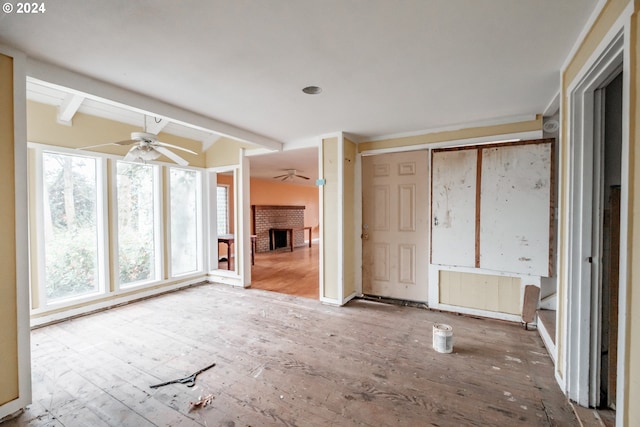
x=385 y=67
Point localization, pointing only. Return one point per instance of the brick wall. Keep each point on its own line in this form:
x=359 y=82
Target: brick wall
x=268 y=217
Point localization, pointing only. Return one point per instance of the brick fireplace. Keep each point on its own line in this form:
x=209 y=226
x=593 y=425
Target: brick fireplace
x=266 y=217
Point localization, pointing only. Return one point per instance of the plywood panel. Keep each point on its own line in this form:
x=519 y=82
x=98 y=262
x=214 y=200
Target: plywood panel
x=453 y=204
x=481 y=291
x=514 y=209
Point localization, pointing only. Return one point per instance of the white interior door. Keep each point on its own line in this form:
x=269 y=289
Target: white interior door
x=395 y=222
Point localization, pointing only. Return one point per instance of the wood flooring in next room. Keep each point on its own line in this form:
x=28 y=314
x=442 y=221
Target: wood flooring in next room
x=286 y=360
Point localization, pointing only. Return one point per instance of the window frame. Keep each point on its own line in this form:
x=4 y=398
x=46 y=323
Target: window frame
x=102 y=235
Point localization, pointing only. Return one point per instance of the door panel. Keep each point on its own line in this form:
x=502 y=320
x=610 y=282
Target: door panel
x=395 y=225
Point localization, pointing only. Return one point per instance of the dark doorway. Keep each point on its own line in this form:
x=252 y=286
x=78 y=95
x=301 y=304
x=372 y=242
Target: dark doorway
x=609 y=239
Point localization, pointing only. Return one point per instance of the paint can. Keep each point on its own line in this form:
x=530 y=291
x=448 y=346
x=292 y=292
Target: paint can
x=442 y=338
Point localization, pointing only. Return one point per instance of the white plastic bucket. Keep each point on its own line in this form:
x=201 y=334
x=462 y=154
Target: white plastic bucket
x=442 y=338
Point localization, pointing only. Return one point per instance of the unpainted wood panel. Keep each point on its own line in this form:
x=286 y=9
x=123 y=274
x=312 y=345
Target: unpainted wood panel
x=480 y=291
x=453 y=205
x=407 y=207
x=515 y=209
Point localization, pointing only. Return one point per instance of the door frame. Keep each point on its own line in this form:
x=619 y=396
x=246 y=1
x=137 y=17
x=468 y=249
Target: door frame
x=582 y=143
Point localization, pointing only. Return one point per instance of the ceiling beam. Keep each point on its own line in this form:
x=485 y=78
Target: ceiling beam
x=152 y=125
x=106 y=92
x=69 y=108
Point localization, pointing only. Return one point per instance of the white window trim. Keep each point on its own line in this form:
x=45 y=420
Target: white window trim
x=101 y=223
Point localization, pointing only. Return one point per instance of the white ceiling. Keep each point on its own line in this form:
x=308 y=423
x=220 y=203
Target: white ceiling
x=386 y=67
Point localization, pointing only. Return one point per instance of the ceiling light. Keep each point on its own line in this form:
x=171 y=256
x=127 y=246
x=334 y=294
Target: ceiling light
x=312 y=90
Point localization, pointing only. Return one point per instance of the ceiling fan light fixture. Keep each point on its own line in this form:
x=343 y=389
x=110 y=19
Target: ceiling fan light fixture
x=312 y=90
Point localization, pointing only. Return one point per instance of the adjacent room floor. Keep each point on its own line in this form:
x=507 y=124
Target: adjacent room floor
x=285 y=360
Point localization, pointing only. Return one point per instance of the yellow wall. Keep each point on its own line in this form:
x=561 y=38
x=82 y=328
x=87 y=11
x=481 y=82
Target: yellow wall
x=225 y=152
x=43 y=128
x=9 y=389
x=480 y=291
x=331 y=216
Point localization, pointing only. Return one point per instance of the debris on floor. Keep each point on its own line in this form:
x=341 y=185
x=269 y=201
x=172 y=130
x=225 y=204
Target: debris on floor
x=202 y=402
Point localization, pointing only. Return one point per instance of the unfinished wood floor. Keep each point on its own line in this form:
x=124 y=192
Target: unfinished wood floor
x=284 y=360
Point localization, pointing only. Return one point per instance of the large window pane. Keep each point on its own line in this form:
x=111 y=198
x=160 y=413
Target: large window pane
x=184 y=220
x=136 y=191
x=70 y=225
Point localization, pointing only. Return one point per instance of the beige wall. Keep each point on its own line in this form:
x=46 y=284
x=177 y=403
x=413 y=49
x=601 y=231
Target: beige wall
x=331 y=216
x=481 y=291
x=9 y=388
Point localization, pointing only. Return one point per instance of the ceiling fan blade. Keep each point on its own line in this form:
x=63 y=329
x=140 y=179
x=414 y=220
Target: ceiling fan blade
x=165 y=144
x=132 y=154
x=280 y=176
x=170 y=154
x=127 y=142
x=285 y=178
x=302 y=176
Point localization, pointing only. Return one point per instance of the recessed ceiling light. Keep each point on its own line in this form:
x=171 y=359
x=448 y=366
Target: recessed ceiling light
x=312 y=90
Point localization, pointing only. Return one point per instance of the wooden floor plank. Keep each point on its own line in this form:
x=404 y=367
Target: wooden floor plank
x=287 y=360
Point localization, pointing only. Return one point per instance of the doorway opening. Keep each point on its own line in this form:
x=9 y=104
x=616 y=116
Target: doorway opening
x=606 y=241
x=597 y=221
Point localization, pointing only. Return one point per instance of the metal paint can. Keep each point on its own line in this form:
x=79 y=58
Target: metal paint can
x=442 y=338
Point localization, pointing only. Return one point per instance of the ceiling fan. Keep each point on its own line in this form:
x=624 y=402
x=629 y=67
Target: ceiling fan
x=147 y=147
x=290 y=175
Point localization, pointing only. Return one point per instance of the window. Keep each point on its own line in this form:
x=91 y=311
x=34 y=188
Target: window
x=222 y=201
x=71 y=220
x=137 y=189
x=185 y=220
